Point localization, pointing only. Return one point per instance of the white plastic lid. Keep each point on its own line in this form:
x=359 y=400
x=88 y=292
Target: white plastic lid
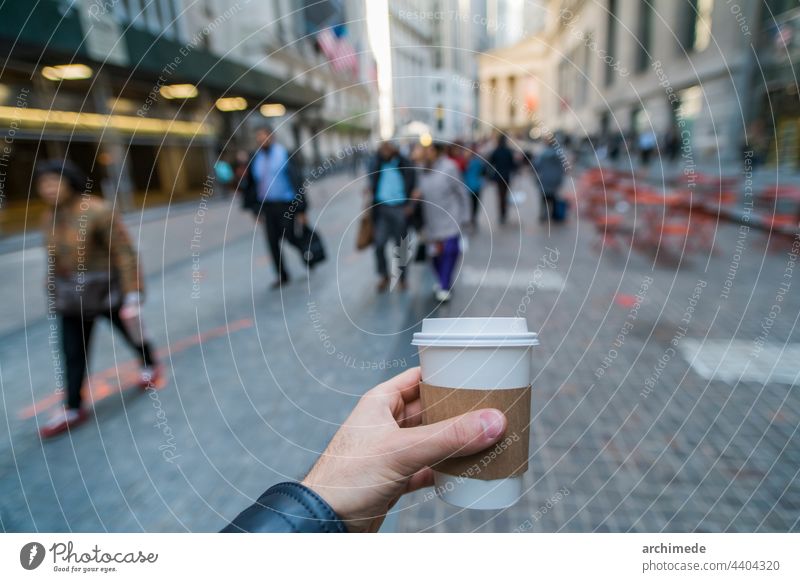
x=475 y=332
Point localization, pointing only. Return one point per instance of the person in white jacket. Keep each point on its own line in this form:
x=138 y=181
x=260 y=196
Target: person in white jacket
x=447 y=210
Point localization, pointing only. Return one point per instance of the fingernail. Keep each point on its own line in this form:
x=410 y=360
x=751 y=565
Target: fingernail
x=492 y=423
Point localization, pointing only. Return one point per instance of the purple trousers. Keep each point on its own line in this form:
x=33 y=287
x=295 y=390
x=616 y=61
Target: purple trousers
x=445 y=259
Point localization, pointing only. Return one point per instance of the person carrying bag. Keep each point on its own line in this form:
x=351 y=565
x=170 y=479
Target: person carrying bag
x=92 y=271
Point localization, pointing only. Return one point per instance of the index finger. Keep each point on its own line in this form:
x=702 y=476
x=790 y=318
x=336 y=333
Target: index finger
x=405 y=385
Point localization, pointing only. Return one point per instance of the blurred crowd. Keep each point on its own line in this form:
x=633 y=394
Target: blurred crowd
x=422 y=200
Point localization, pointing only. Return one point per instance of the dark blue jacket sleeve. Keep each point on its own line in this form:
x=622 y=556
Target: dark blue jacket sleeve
x=288 y=508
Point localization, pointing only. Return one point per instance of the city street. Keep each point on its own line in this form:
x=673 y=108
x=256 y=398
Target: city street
x=665 y=395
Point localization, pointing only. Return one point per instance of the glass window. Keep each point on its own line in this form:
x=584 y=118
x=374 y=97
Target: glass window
x=151 y=16
x=697 y=30
x=167 y=18
x=133 y=9
x=702 y=34
x=611 y=39
x=645 y=35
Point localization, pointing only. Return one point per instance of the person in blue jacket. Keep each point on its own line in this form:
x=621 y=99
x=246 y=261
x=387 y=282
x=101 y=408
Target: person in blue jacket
x=272 y=190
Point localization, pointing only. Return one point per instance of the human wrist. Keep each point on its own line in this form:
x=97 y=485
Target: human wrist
x=327 y=494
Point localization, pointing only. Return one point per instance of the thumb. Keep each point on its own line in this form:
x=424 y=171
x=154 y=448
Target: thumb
x=455 y=437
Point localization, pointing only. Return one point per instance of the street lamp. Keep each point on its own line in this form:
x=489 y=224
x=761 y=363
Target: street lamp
x=70 y=72
x=231 y=103
x=183 y=91
x=272 y=110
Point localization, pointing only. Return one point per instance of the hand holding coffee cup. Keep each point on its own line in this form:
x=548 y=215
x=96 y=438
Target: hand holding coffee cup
x=382 y=451
x=471 y=363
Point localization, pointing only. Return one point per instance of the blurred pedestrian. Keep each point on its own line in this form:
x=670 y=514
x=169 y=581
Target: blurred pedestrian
x=615 y=145
x=240 y=165
x=549 y=169
x=757 y=142
x=457 y=153
x=93 y=271
x=473 y=179
x=647 y=145
x=502 y=166
x=392 y=179
x=447 y=210
x=273 y=192
x=672 y=144
x=223 y=172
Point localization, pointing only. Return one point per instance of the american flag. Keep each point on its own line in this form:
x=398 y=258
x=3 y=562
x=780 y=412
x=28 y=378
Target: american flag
x=338 y=50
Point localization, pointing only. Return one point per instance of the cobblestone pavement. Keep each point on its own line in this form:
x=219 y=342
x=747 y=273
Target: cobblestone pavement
x=638 y=423
x=636 y=427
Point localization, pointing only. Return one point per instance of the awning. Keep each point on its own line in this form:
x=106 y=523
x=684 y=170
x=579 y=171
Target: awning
x=32 y=30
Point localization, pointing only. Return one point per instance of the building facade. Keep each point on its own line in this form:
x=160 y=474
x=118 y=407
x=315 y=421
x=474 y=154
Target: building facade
x=145 y=96
x=411 y=33
x=283 y=39
x=433 y=61
x=626 y=67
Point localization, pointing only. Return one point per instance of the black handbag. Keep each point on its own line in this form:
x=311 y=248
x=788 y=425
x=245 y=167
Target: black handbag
x=310 y=246
x=87 y=294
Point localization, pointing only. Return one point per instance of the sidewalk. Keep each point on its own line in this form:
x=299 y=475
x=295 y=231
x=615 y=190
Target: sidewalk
x=664 y=396
x=660 y=403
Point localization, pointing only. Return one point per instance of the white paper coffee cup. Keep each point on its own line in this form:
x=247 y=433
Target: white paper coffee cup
x=482 y=355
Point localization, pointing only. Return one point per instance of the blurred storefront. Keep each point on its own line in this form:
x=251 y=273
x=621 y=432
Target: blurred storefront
x=776 y=122
x=132 y=97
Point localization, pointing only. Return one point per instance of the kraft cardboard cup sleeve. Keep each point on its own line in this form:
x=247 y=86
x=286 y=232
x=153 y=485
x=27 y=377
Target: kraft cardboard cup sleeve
x=471 y=363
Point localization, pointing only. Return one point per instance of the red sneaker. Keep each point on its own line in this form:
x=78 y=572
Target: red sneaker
x=150 y=378
x=62 y=421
